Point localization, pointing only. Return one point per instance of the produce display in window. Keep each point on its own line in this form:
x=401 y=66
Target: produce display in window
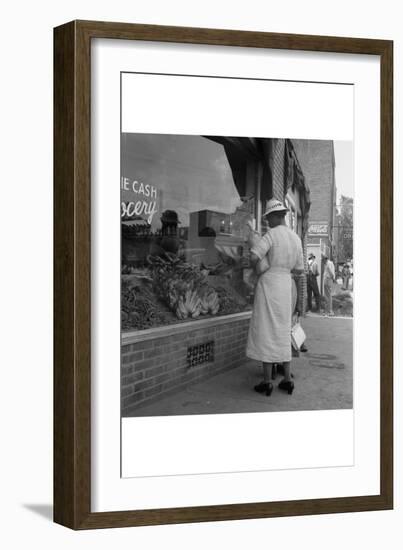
x=170 y=289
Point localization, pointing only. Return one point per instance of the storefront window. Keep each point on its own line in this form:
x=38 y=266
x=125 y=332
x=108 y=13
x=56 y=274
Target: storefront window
x=184 y=218
x=290 y=216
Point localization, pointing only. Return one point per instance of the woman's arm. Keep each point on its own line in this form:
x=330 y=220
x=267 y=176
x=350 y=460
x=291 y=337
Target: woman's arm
x=253 y=259
x=259 y=246
x=253 y=237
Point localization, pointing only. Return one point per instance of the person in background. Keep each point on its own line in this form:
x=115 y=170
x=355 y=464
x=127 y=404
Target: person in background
x=328 y=280
x=269 y=338
x=168 y=240
x=346 y=272
x=312 y=282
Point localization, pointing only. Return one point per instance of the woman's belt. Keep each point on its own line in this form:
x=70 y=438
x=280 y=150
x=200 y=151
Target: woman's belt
x=276 y=269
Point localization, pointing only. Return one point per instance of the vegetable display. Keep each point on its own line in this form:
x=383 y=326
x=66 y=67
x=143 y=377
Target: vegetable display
x=183 y=286
x=230 y=301
x=139 y=309
x=171 y=289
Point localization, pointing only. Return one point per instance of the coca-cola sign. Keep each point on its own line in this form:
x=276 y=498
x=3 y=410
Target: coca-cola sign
x=318 y=229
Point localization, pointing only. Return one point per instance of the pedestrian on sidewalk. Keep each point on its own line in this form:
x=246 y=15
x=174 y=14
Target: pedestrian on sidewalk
x=328 y=281
x=312 y=282
x=269 y=338
x=346 y=276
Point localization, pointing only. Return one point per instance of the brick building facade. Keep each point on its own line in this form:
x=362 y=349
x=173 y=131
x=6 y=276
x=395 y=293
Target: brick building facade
x=317 y=161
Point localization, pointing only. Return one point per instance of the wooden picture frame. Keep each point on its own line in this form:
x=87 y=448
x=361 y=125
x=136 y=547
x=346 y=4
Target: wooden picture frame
x=72 y=271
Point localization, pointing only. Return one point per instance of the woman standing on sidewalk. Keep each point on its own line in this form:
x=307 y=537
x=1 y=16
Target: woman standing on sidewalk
x=269 y=338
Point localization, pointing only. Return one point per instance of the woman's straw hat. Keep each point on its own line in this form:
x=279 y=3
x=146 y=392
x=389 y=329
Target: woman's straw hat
x=275 y=205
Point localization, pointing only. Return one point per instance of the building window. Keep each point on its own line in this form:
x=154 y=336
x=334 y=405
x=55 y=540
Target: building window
x=184 y=209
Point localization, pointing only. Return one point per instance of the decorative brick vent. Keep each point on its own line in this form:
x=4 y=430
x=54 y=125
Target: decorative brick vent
x=201 y=353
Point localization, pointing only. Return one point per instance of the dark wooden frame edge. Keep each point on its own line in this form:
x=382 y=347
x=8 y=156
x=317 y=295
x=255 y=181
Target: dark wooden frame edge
x=72 y=306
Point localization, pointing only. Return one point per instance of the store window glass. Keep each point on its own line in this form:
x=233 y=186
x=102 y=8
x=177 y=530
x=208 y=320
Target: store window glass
x=183 y=216
x=290 y=216
x=293 y=217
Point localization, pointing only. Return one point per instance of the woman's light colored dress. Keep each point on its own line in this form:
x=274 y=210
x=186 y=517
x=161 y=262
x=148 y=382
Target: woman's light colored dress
x=269 y=338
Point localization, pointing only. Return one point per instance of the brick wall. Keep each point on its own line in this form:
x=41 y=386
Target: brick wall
x=154 y=368
x=316 y=158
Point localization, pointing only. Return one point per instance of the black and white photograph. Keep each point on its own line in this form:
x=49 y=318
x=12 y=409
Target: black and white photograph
x=237 y=274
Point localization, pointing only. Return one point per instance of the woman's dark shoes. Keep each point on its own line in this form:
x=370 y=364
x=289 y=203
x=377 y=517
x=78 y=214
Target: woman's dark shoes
x=303 y=348
x=287 y=385
x=264 y=387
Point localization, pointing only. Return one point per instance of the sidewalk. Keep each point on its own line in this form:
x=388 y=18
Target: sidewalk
x=323 y=379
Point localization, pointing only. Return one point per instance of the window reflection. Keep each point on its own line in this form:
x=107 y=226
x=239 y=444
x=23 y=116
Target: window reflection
x=184 y=210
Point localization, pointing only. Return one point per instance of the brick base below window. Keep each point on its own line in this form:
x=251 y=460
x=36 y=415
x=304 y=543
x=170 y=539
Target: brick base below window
x=155 y=368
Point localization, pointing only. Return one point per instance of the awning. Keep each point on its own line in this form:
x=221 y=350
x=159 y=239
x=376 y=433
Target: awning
x=294 y=177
